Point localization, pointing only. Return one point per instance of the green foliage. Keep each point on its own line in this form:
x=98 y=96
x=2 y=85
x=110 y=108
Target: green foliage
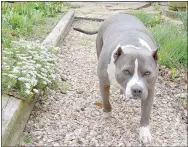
x=183 y=17
x=29 y=67
x=171 y=39
x=174 y=73
x=156 y=7
x=27 y=139
x=19 y=18
x=172 y=42
x=148 y=19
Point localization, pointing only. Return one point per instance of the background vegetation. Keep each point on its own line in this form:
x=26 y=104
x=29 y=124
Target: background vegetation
x=171 y=38
x=29 y=20
x=29 y=67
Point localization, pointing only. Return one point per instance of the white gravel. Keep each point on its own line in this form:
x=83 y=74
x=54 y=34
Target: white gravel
x=73 y=119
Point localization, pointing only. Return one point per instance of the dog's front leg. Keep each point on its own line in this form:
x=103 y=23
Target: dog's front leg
x=105 y=93
x=146 y=105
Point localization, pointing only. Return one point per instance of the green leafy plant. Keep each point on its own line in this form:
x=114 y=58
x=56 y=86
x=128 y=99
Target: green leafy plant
x=27 y=139
x=174 y=73
x=148 y=19
x=20 y=18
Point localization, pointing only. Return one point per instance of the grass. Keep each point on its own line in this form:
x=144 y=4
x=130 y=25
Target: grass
x=171 y=39
x=148 y=19
x=183 y=17
x=29 y=67
x=29 y=19
x=156 y=7
x=172 y=43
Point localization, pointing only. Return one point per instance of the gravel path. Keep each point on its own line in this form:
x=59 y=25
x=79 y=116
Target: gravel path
x=73 y=119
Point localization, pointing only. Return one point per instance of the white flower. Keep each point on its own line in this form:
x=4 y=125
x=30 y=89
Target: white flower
x=27 y=85
x=4 y=74
x=28 y=76
x=15 y=70
x=44 y=82
x=44 y=70
x=27 y=91
x=22 y=79
x=34 y=60
x=35 y=91
x=7 y=67
x=19 y=63
x=11 y=76
x=38 y=65
x=43 y=74
x=34 y=82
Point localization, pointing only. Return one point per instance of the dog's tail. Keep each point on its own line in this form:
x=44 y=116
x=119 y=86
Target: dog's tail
x=86 y=32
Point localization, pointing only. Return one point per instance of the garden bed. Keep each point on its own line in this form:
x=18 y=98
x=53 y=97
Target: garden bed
x=15 y=112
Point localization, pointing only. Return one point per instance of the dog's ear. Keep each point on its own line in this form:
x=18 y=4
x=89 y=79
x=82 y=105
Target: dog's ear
x=117 y=53
x=155 y=55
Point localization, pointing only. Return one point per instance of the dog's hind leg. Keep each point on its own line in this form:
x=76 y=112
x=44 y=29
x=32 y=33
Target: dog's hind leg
x=99 y=44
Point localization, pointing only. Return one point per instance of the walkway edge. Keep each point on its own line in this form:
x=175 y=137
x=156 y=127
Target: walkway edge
x=60 y=31
x=16 y=112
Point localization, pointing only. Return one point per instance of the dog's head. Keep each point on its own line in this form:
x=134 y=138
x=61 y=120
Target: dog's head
x=136 y=70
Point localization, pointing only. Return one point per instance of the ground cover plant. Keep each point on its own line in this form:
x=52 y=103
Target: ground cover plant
x=29 y=67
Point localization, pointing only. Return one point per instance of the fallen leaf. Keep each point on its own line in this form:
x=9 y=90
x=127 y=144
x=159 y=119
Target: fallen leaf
x=98 y=104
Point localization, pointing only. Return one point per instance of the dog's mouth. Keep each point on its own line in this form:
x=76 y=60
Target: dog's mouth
x=135 y=98
x=124 y=98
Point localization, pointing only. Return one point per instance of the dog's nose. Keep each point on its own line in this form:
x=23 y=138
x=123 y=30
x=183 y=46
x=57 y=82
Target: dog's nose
x=136 y=91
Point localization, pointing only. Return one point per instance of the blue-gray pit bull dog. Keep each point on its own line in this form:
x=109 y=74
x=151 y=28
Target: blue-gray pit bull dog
x=127 y=58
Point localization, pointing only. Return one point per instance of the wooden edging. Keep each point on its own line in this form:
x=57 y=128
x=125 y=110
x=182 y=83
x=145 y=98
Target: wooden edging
x=15 y=112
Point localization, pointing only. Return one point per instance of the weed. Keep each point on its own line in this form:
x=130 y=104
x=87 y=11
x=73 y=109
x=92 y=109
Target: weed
x=65 y=86
x=27 y=139
x=174 y=73
x=148 y=19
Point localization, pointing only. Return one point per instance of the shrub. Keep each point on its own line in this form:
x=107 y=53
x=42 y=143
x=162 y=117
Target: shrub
x=28 y=67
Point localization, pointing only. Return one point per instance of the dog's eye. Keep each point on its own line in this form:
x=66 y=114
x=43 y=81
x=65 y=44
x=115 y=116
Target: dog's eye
x=127 y=72
x=147 y=73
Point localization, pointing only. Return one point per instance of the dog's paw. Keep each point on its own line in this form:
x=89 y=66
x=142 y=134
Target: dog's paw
x=145 y=135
